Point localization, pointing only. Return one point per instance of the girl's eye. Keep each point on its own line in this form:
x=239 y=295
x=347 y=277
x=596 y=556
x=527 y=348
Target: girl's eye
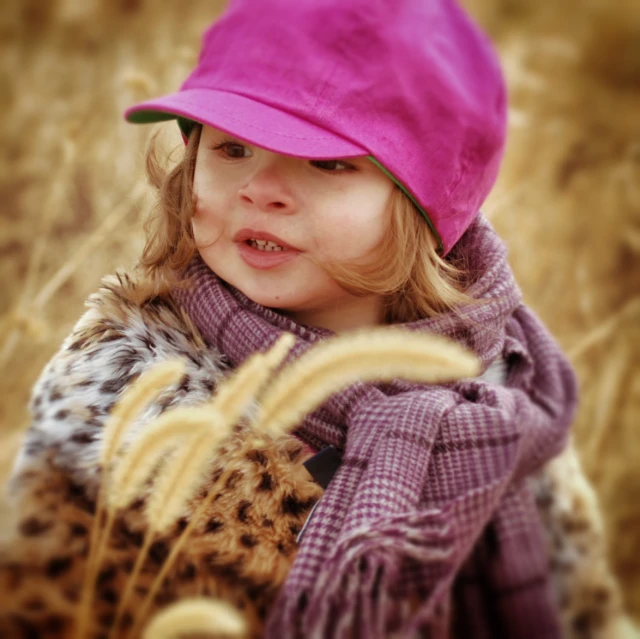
x=332 y=165
x=233 y=150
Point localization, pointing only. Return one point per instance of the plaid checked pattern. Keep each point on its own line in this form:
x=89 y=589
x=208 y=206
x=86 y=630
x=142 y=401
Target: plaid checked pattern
x=429 y=511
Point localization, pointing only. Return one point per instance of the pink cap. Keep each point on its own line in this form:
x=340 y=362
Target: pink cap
x=412 y=83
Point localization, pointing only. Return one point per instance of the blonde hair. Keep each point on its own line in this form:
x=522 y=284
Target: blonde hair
x=170 y=244
x=405 y=269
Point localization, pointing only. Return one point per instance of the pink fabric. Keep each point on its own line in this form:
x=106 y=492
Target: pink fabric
x=430 y=504
x=412 y=83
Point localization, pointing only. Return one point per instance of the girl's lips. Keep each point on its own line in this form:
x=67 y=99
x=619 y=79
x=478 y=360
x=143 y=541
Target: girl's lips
x=263 y=260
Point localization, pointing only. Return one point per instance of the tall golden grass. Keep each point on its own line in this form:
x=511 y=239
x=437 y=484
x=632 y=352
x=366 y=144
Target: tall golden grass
x=72 y=193
x=200 y=431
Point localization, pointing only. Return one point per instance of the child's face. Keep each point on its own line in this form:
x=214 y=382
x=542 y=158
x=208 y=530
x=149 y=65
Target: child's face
x=329 y=211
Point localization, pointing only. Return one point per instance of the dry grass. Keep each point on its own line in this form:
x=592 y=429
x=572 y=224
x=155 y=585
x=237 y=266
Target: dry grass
x=371 y=355
x=72 y=192
x=196 y=433
x=196 y=616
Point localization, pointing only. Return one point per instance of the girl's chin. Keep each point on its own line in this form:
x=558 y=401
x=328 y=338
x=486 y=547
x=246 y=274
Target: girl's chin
x=270 y=300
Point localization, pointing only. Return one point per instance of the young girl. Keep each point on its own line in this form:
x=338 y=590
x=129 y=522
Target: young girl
x=337 y=155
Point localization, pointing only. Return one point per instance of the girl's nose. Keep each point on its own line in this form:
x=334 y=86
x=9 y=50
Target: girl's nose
x=268 y=191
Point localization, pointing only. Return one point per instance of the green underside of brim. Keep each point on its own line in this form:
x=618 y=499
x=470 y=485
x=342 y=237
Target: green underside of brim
x=403 y=188
x=148 y=117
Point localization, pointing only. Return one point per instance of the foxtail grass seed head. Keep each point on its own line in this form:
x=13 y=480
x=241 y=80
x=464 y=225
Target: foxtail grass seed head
x=139 y=461
x=280 y=349
x=372 y=355
x=197 y=616
x=235 y=394
x=179 y=479
x=150 y=384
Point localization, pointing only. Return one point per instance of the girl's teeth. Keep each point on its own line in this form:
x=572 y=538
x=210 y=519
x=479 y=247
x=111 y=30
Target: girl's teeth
x=265 y=245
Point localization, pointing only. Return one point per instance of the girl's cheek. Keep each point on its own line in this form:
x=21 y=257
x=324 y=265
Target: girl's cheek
x=348 y=239
x=206 y=225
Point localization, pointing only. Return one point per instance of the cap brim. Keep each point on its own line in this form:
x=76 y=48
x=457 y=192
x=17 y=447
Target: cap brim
x=247 y=119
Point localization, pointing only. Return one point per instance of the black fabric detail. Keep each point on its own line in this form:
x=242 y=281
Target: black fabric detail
x=323 y=465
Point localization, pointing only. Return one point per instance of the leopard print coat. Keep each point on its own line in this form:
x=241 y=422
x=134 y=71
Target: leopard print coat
x=242 y=549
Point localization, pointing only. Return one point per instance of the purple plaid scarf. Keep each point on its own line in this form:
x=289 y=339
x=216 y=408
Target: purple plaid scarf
x=428 y=527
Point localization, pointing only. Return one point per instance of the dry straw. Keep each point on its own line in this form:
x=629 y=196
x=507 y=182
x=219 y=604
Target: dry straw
x=197 y=617
x=375 y=354
x=179 y=479
x=226 y=408
x=26 y=318
x=371 y=355
x=193 y=434
x=136 y=397
x=232 y=399
x=147 y=451
x=549 y=228
x=234 y=395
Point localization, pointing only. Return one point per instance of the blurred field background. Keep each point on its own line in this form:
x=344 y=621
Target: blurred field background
x=73 y=194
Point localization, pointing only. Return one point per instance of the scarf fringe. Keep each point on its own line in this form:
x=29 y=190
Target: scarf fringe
x=362 y=590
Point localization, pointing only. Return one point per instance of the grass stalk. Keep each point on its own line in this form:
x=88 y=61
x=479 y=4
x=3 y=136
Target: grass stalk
x=131 y=580
x=179 y=544
x=140 y=393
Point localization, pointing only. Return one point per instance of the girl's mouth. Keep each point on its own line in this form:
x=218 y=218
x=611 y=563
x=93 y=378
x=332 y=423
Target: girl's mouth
x=264 y=254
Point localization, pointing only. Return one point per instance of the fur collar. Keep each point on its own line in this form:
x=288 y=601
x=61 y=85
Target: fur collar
x=125 y=330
